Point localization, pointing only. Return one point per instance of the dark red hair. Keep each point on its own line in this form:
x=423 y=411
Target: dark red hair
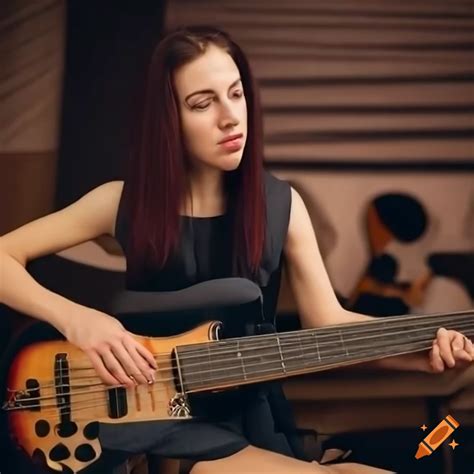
x=156 y=182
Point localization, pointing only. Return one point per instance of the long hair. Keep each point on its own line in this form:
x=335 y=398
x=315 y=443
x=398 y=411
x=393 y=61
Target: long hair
x=156 y=180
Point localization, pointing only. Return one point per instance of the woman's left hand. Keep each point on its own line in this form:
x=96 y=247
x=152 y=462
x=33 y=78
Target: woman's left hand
x=450 y=349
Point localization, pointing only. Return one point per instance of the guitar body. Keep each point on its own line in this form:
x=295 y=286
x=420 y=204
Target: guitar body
x=55 y=399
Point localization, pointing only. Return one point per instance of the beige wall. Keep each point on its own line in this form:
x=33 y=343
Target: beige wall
x=345 y=196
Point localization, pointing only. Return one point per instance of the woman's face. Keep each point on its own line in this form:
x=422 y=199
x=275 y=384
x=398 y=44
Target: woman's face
x=213 y=108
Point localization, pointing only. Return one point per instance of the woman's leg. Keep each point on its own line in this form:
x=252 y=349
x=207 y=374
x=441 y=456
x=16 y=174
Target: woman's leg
x=252 y=460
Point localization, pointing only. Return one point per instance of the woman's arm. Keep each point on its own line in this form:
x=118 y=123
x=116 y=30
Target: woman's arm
x=318 y=306
x=83 y=220
x=113 y=351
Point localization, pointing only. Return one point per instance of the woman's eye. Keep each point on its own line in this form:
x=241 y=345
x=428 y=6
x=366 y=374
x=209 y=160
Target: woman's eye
x=205 y=105
x=202 y=106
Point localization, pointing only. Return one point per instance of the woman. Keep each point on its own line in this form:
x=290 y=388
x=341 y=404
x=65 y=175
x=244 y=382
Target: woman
x=196 y=205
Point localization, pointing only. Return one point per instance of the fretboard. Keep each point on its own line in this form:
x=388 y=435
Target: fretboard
x=239 y=361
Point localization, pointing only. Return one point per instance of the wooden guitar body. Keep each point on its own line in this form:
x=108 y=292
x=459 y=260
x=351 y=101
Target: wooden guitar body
x=55 y=399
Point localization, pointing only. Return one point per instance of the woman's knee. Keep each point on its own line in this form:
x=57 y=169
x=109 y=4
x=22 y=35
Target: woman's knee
x=253 y=460
x=354 y=468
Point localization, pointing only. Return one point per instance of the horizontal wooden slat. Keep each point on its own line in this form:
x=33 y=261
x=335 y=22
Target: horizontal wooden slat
x=368 y=7
x=383 y=150
x=284 y=52
x=392 y=94
x=352 y=38
x=279 y=123
x=275 y=18
x=268 y=69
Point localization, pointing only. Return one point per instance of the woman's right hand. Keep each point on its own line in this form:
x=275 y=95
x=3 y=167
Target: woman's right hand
x=116 y=355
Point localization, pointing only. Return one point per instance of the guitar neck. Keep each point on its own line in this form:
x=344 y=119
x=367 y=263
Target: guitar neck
x=228 y=363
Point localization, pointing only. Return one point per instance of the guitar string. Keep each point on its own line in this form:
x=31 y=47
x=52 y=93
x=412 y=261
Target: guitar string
x=187 y=351
x=56 y=396
x=285 y=339
x=103 y=404
x=213 y=378
x=288 y=348
x=321 y=351
x=185 y=354
x=54 y=407
x=352 y=328
x=334 y=332
x=371 y=357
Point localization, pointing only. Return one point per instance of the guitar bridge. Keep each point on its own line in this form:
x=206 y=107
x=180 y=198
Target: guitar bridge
x=13 y=401
x=24 y=399
x=178 y=406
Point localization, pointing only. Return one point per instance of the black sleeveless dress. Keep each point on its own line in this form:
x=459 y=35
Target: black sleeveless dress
x=260 y=416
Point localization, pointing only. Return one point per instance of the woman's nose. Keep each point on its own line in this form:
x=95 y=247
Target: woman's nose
x=228 y=116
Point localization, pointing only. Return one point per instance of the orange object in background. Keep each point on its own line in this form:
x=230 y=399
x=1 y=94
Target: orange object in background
x=436 y=437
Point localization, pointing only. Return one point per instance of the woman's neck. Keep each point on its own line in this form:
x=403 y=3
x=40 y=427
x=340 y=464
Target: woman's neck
x=206 y=196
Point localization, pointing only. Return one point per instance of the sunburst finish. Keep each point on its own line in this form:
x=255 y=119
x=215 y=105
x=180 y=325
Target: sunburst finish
x=55 y=398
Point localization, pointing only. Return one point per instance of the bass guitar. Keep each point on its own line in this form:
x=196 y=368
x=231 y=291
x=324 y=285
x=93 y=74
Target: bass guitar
x=54 y=397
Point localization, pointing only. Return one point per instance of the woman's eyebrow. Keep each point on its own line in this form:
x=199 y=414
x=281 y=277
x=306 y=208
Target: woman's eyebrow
x=210 y=91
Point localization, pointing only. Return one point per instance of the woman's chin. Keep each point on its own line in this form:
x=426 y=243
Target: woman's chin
x=230 y=162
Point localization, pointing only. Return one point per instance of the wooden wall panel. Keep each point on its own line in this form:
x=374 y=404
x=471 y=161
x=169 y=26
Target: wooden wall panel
x=31 y=58
x=27 y=184
x=358 y=81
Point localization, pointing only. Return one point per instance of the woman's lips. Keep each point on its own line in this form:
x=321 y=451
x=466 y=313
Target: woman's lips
x=233 y=145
